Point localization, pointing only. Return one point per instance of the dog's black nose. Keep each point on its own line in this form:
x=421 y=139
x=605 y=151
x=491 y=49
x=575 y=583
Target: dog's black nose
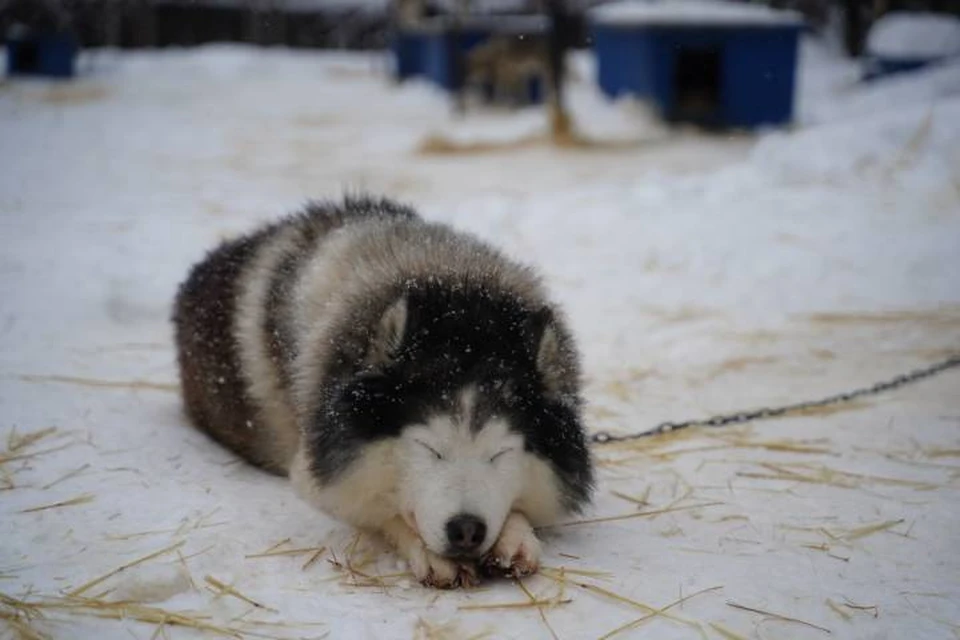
x=465 y=533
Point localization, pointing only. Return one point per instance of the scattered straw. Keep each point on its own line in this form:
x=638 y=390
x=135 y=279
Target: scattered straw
x=586 y=573
x=138 y=534
x=200 y=523
x=67 y=476
x=436 y=144
x=543 y=616
x=777 y=616
x=276 y=546
x=161 y=632
x=597 y=590
x=941 y=452
x=868 y=530
x=780 y=446
x=22 y=628
x=837 y=609
x=870 y=608
x=827 y=410
x=529 y=604
x=150 y=556
x=942 y=317
x=136 y=385
x=286 y=552
x=6 y=479
x=352 y=566
x=351 y=574
x=657 y=612
x=642 y=500
x=609 y=594
x=313 y=558
x=186 y=570
x=72 y=502
x=820 y=474
x=425 y=630
x=733 y=517
x=18 y=614
x=180 y=530
x=628 y=516
x=71 y=94
x=24 y=610
x=141 y=613
x=15 y=442
x=669 y=446
x=6 y=457
x=734 y=365
x=228 y=590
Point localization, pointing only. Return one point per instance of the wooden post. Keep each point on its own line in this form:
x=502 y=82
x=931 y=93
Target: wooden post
x=853 y=27
x=558 y=43
x=457 y=57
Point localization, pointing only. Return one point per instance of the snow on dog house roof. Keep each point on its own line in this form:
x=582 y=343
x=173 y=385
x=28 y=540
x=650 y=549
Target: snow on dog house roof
x=691 y=13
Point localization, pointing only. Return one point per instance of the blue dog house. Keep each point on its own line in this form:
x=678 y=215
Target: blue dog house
x=429 y=49
x=41 y=53
x=712 y=63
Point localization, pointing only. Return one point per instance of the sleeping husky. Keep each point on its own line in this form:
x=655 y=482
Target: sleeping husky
x=409 y=379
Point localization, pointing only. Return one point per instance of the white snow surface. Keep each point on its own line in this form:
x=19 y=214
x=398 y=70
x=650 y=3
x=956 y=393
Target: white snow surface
x=912 y=35
x=691 y=12
x=700 y=274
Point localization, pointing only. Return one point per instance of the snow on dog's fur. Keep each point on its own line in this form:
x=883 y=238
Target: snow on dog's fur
x=408 y=378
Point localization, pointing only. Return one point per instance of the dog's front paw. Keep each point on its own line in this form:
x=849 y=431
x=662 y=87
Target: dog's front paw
x=433 y=570
x=517 y=551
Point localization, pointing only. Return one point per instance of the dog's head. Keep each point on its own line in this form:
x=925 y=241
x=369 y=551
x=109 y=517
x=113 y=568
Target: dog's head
x=461 y=469
x=480 y=393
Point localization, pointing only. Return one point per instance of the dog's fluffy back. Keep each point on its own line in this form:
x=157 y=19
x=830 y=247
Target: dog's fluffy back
x=271 y=327
x=215 y=317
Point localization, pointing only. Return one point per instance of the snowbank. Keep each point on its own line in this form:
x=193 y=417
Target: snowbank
x=907 y=35
x=855 y=100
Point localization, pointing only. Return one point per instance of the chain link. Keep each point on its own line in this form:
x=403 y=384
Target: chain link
x=741 y=417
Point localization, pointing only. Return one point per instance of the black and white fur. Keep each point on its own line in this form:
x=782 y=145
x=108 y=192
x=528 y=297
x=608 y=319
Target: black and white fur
x=409 y=379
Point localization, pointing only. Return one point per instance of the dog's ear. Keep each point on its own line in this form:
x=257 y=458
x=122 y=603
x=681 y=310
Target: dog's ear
x=548 y=347
x=549 y=360
x=388 y=335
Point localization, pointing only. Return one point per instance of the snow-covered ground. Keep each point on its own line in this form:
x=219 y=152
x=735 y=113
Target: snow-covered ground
x=701 y=274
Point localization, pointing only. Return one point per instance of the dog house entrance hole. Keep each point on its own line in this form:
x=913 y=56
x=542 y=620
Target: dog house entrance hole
x=696 y=83
x=27 y=56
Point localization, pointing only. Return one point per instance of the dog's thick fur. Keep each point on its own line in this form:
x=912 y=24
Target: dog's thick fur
x=409 y=379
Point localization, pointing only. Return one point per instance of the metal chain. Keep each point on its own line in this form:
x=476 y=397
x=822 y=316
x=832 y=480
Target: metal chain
x=740 y=417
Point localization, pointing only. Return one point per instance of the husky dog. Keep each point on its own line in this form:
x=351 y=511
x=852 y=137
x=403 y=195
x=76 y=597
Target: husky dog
x=507 y=64
x=409 y=379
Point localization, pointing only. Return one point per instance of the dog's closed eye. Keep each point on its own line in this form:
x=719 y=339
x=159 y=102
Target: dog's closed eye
x=431 y=449
x=500 y=453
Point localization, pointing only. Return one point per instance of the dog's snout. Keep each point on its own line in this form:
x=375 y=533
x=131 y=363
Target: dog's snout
x=465 y=533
